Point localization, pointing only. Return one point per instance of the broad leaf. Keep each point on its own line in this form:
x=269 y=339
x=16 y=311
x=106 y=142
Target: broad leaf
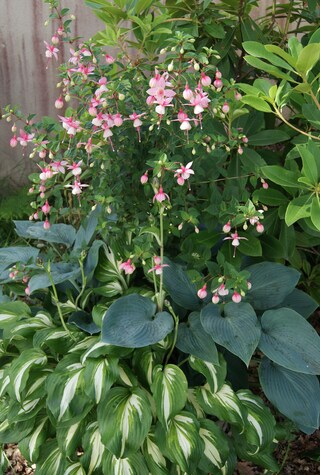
x=290 y=341
x=83 y=320
x=178 y=285
x=268 y=137
x=31 y=445
x=308 y=58
x=271 y=283
x=69 y=437
x=60 y=272
x=124 y=418
x=214 y=374
x=257 y=103
x=194 y=340
x=132 y=322
x=20 y=369
x=94 y=450
x=281 y=176
x=132 y=465
x=87 y=229
x=52 y=461
x=298 y=208
x=12 y=311
x=99 y=375
x=300 y=302
x=11 y=255
x=238 y=330
x=216 y=447
x=58 y=233
x=154 y=457
x=295 y=395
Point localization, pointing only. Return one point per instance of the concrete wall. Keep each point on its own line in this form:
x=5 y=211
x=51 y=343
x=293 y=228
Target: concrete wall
x=24 y=79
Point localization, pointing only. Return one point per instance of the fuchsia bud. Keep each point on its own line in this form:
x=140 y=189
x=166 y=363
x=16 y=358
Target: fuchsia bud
x=13 y=141
x=217 y=83
x=35 y=216
x=109 y=59
x=187 y=93
x=218 y=74
x=46 y=208
x=240 y=150
x=215 y=298
x=205 y=80
x=27 y=290
x=264 y=184
x=225 y=108
x=227 y=227
x=245 y=139
x=144 y=179
x=202 y=293
x=58 y=103
x=249 y=285
x=46 y=224
x=236 y=297
x=42 y=195
x=259 y=228
x=237 y=96
x=55 y=39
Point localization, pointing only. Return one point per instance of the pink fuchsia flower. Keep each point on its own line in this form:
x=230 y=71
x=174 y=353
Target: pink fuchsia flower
x=236 y=297
x=215 y=298
x=13 y=141
x=84 y=69
x=51 y=51
x=46 y=224
x=160 y=196
x=187 y=93
x=24 y=138
x=202 y=293
x=259 y=228
x=76 y=187
x=218 y=83
x=109 y=59
x=46 y=208
x=27 y=290
x=227 y=227
x=225 y=108
x=235 y=241
x=58 y=103
x=185 y=171
x=222 y=290
x=117 y=119
x=72 y=126
x=205 y=80
x=180 y=180
x=75 y=168
x=161 y=107
x=158 y=266
x=200 y=102
x=144 y=179
x=158 y=89
x=59 y=166
x=136 y=122
x=127 y=267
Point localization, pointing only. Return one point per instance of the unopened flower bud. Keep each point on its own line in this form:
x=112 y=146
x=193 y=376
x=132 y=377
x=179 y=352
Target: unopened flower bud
x=225 y=108
x=14 y=128
x=55 y=39
x=72 y=17
x=13 y=142
x=163 y=50
x=46 y=224
x=202 y=293
x=227 y=227
x=193 y=151
x=51 y=156
x=67 y=98
x=144 y=179
x=259 y=228
x=27 y=290
x=181 y=51
x=8 y=119
x=121 y=97
x=170 y=67
x=236 y=297
x=215 y=298
x=58 y=103
x=180 y=226
x=196 y=66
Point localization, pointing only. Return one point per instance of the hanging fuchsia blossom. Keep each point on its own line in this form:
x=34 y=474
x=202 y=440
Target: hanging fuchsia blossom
x=144 y=179
x=202 y=293
x=76 y=187
x=59 y=166
x=215 y=298
x=160 y=196
x=185 y=171
x=127 y=267
x=205 y=80
x=13 y=141
x=236 y=297
x=72 y=126
x=46 y=208
x=227 y=227
x=75 y=168
x=158 y=266
x=235 y=241
x=51 y=51
x=24 y=138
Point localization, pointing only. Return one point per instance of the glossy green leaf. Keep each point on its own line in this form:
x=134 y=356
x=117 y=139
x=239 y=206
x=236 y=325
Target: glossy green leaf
x=280 y=52
x=214 y=374
x=290 y=341
x=308 y=58
x=169 y=390
x=297 y=209
x=309 y=161
x=238 y=329
x=295 y=395
x=132 y=322
x=281 y=176
x=269 y=68
x=194 y=340
x=260 y=51
x=124 y=418
x=134 y=464
x=257 y=103
x=315 y=212
x=271 y=283
x=216 y=447
x=268 y=137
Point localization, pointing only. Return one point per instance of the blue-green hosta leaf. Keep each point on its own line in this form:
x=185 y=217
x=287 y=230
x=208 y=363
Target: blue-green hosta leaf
x=290 y=341
x=87 y=229
x=124 y=418
x=194 y=340
x=20 y=369
x=295 y=395
x=271 y=283
x=92 y=259
x=157 y=464
x=52 y=460
x=260 y=428
x=11 y=255
x=238 y=330
x=216 y=448
x=169 y=390
x=31 y=445
x=224 y=404
x=69 y=437
x=94 y=450
x=83 y=320
x=58 y=233
x=178 y=285
x=214 y=374
x=184 y=444
x=60 y=272
x=99 y=375
x=13 y=311
x=300 y=302
x=132 y=322
x=132 y=465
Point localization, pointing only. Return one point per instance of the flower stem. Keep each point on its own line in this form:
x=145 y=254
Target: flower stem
x=176 y=323
x=161 y=293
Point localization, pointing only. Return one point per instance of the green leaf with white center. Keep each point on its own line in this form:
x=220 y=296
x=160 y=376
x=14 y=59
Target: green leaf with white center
x=11 y=312
x=14 y=433
x=157 y=464
x=216 y=448
x=99 y=375
x=260 y=427
x=193 y=405
x=94 y=450
x=144 y=361
x=75 y=469
x=224 y=404
x=184 y=444
x=52 y=461
x=132 y=322
x=31 y=445
x=98 y=348
x=124 y=418
x=169 y=390
x=132 y=465
x=214 y=374
x=126 y=376
x=20 y=369
x=290 y=341
x=69 y=437
x=238 y=329
x=194 y=340
x=264 y=458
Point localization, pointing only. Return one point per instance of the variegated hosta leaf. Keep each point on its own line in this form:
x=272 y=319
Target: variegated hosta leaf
x=154 y=457
x=56 y=339
x=99 y=375
x=13 y=433
x=126 y=376
x=31 y=445
x=11 y=312
x=108 y=267
x=259 y=431
x=132 y=465
x=69 y=437
x=20 y=369
x=27 y=326
x=52 y=461
x=144 y=361
x=214 y=374
x=169 y=390
x=193 y=405
x=264 y=458
x=184 y=443
x=224 y=404
x=216 y=447
x=4 y=463
x=124 y=418
x=75 y=469
x=4 y=380
x=94 y=450
x=98 y=348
